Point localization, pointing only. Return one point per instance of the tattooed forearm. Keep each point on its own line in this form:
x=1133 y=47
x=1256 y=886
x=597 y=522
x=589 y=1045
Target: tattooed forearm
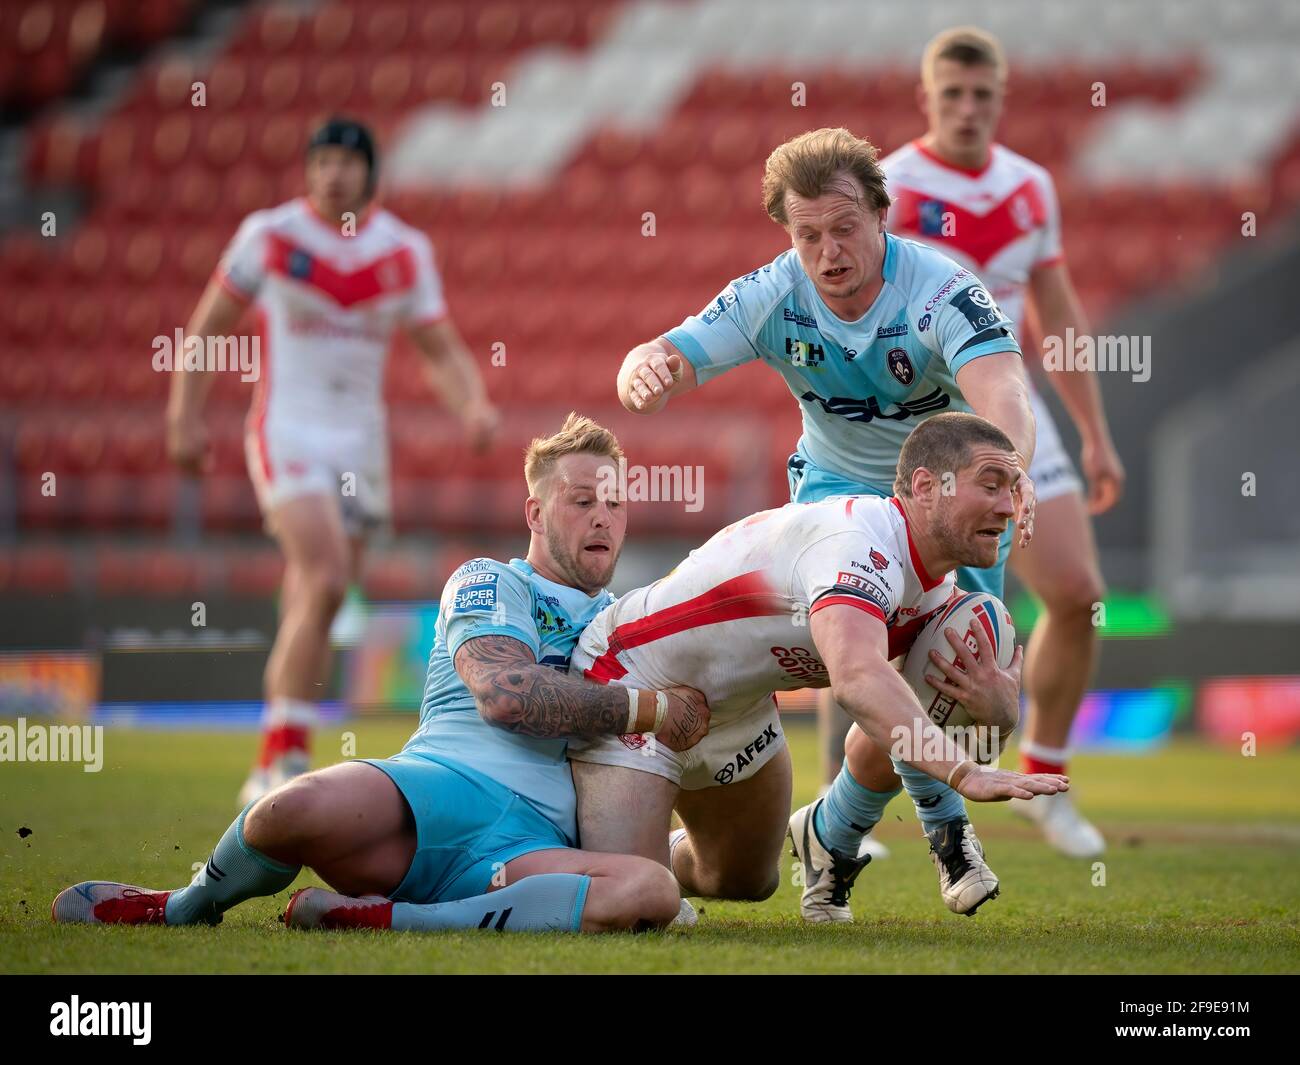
x=517 y=693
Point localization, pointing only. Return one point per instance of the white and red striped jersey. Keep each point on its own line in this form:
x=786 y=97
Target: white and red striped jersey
x=1001 y=223
x=732 y=620
x=329 y=304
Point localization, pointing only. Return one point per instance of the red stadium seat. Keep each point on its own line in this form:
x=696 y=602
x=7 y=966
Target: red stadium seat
x=254 y=574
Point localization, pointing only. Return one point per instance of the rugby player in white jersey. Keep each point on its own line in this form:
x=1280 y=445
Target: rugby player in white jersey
x=996 y=213
x=332 y=277
x=872 y=334
x=819 y=594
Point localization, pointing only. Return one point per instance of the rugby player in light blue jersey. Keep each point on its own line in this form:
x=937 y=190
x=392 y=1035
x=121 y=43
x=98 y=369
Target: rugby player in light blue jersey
x=872 y=334
x=473 y=824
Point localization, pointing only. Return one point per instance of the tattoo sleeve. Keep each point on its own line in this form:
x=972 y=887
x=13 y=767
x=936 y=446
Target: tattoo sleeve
x=517 y=693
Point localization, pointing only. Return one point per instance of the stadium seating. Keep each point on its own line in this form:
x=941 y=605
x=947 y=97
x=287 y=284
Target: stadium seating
x=167 y=183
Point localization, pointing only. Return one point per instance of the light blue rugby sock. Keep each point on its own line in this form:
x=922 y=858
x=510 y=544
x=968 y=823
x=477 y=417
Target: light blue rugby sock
x=236 y=871
x=935 y=802
x=546 y=902
x=849 y=812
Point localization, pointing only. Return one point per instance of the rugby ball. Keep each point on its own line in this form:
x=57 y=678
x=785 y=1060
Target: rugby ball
x=981 y=609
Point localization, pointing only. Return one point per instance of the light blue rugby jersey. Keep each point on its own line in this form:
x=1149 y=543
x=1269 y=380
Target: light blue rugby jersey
x=862 y=386
x=485 y=597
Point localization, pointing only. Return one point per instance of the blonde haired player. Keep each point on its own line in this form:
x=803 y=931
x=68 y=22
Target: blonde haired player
x=332 y=276
x=472 y=824
x=996 y=213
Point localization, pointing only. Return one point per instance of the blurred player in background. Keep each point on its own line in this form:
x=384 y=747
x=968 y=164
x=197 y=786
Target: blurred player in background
x=872 y=334
x=332 y=276
x=996 y=213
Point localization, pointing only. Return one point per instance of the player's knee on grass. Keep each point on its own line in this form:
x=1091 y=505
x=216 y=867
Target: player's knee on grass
x=753 y=883
x=639 y=894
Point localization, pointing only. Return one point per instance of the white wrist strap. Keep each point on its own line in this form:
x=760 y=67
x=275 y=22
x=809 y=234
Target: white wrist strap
x=661 y=710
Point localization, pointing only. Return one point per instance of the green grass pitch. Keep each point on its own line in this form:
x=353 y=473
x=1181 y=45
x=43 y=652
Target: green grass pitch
x=1202 y=876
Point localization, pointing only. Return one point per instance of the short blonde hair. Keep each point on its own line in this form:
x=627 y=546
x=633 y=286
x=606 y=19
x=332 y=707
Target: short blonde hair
x=578 y=435
x=809 y=164
x=968 y=45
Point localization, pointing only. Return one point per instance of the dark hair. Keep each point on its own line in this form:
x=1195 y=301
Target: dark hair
x=943 y=443
x=345 y=132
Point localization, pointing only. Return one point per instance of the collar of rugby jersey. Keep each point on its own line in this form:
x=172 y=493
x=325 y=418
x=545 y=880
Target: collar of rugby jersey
x=888 y=268
x=973 y=172
x=364 y=217
x=927 y=582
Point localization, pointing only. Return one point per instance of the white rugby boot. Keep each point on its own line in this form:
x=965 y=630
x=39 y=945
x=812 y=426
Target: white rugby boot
x=265 y=779
x=319 y=908
x=686 y=915
x=1062 y=825
x=870 y=845
x=965 y=880
x=106 y=902
x=827 y=877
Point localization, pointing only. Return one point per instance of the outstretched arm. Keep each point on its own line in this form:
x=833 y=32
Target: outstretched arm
x=854 y=646
x=651 y=373
x=517 y=693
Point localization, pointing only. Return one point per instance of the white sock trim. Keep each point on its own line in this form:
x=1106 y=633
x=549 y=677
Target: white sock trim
x=1043 y=753
x=282 y=711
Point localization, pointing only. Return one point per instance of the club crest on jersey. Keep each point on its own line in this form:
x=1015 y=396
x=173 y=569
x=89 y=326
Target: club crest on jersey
x=930 y=217
x=877 y=559
x=1022 y=214
x=901 y=366
x=299 y=264
x=804 y=353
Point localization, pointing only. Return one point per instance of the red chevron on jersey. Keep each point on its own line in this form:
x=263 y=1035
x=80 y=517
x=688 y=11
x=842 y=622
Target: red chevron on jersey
x=1004 y=219
x=385 y=276
x=977 y=236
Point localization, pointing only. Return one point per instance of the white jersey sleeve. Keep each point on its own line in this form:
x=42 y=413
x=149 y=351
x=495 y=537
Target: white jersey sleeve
x=428 y=303
x=244 y=264
x=845 y=569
